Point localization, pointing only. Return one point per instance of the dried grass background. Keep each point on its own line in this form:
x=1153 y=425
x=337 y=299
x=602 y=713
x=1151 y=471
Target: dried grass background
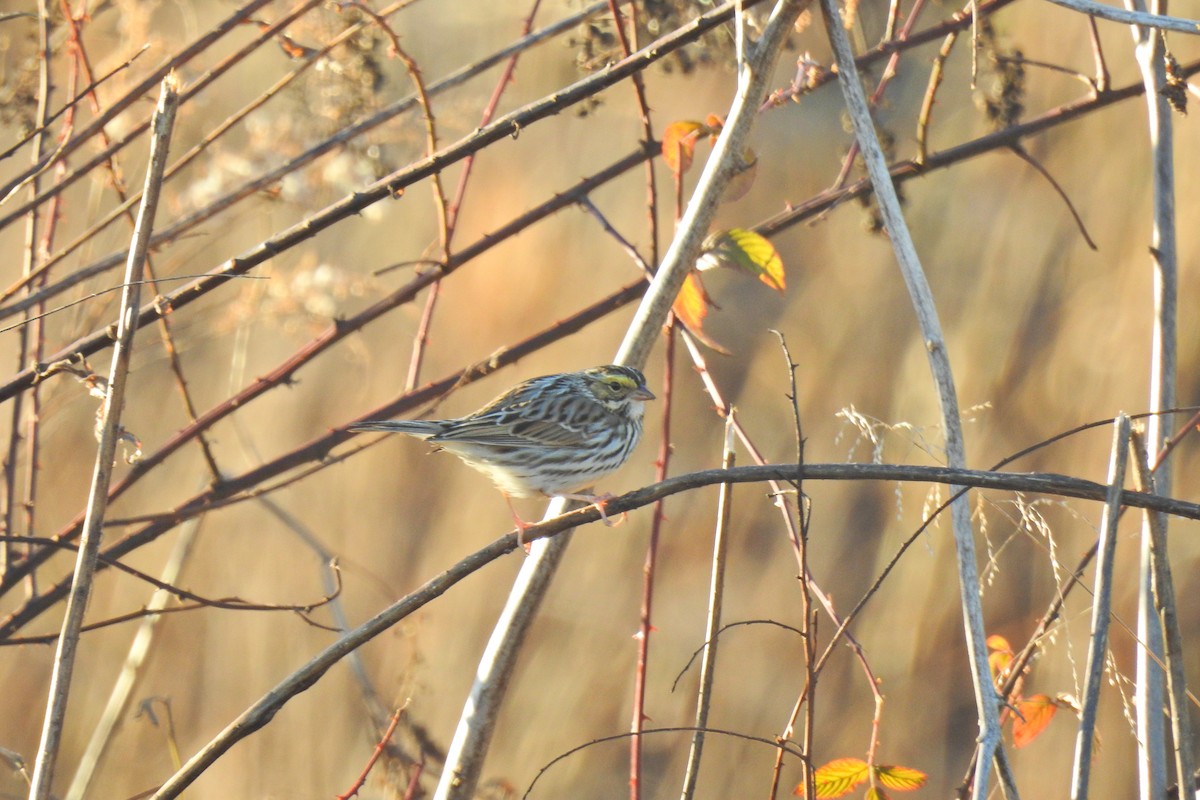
x=1045 y=334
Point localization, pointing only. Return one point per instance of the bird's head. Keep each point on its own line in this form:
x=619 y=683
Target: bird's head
x=619 y=389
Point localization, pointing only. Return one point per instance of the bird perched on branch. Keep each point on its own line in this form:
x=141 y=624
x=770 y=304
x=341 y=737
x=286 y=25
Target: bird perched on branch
x=551 y=436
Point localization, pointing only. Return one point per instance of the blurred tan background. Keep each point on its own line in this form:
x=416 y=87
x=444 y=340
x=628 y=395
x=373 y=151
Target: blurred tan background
x=1045 y=334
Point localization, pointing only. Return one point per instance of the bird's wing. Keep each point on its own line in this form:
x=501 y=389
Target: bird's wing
x=517 y=433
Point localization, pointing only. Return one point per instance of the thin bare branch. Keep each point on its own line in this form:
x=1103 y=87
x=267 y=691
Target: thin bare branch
x=1151 y=53
x=1101 y=607
x=110 y=435
x=1141 y=18
x=1165 y=602
x=939 y=362
x=712 y=624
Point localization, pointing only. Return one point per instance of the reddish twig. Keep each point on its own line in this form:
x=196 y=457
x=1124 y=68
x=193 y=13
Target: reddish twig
x=628 y=45
x=449 y=215
x=380 y=747
x=661 y=469
x=29 y=261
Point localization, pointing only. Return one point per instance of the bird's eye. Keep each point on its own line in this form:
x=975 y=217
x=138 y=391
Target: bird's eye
x=614 y=385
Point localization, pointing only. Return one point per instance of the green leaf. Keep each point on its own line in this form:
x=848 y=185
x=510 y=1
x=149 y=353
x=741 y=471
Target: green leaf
x=745 y=250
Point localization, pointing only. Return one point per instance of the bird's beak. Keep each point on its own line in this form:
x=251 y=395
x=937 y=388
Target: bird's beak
x=641 y=393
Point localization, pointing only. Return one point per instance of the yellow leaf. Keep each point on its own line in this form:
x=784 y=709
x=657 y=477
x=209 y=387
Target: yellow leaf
x=875 y=793
x=679 y=143
x=902 y=779
x=839 y=777
x=999 y=663
x=1001 y=656
x=1037 y=712
x=748 y=251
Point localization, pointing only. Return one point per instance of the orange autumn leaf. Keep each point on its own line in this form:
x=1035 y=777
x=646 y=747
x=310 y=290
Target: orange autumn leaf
x=679 y=143
x=998 y=642
x=290 y=46
x=691 y=304
x=1037 y=712
x=691 y=307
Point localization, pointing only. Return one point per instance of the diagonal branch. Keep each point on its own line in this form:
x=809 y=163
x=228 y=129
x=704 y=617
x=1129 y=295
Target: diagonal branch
x=939 y=363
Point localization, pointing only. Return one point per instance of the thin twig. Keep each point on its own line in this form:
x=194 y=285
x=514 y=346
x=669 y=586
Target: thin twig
x=808 y=694
x=1102 y=80
x=29 y=261
x=85 y=566
x=712 y=624
x=1101 y=607
x=72 y=103
x=139 y=650
x=439 y=200
x=649 y=573
x=1136 y=18
x=1023 y=154
x=448 y=212
x=628 y=44
x=739 y=735
x=1150 y=50
x=380 y=746
x=935 y=80
x=1165 y=601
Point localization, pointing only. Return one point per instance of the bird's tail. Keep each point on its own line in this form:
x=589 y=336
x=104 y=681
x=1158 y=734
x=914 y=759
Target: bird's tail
x=420 y=428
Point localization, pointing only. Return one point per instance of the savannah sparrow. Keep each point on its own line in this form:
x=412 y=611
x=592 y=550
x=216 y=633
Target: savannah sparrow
x=550 y=435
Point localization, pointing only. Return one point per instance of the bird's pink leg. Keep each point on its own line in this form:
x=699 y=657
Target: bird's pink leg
x=521 y=524
x=598 y=500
